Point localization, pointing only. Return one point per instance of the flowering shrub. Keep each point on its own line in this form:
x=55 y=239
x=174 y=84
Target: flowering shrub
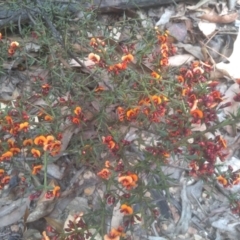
x=125 y=94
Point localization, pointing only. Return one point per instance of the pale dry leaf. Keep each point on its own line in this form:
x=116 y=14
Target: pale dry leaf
x=232 y=67
x=207 y=28
x=87 y=62
x=194 y=50
x=55 y=171
x=177 y=30
x=66 y=137
x=32 y=47
x=225 y=225
x=165 y=17
x=215 y=18
x=198 y=5
x=13 y=212
x=183 y=223
x=117 y=216
x=198 y=127
x=44 y=205
x=179 y=60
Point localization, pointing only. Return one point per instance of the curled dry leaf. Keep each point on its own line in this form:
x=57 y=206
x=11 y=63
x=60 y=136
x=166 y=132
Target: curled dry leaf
x=194 y=50
x=232 y=67
x=215 y=18
x=54 y=170
x=179 y=60
x=183 y=223
x=178 y=30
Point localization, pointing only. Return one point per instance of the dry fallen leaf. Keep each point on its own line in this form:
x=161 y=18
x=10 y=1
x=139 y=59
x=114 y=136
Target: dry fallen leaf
x=232 y=67
x=13 y=212
x=207 y=28
x=215 y=18
x=179 y=60
x=194 y=50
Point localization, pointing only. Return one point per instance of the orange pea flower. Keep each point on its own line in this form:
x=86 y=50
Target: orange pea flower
x=99 y=89
x=222 y=141
x=11 y=51
x=128 y=181
x=75 y=120
x=155 y=75
x=107 y=164
x=121 y=66
x=24 y=126
x=11 y=142
x=198 y=70
x=36 y=169
x=104 y=173
x=48 y=118
x=156 y=99
x=55 y=148
x=145 y=101
x=132 y=113
x=49 y=139
x=15 y=150
x=9 y=120
x=128 y=58
x=222 y=180
x=6 y=156
x=180 y=79
x=111 y=236
x=14 y=45
x=36 y=153
x=115 y=234
x=94 y=57
x=28 y=142
x=78 y=111
x=111 y=144
x=1 y=172
x=164 y=62
x=93 y=42
x=127 y=210
x=197 y=113
x=5 y=180
x=40 y=140
x=56 y=191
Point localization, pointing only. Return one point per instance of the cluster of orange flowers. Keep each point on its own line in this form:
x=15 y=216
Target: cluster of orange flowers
x=53 y=193
x=12 y=48
x=111 y=143
x=14 y=127
x=48 y=143
x=154 y=107
x=128 y=180
x=98 y=44
x=229 y=178
x=166 y=47
x=115 y=234
x=78 y=115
